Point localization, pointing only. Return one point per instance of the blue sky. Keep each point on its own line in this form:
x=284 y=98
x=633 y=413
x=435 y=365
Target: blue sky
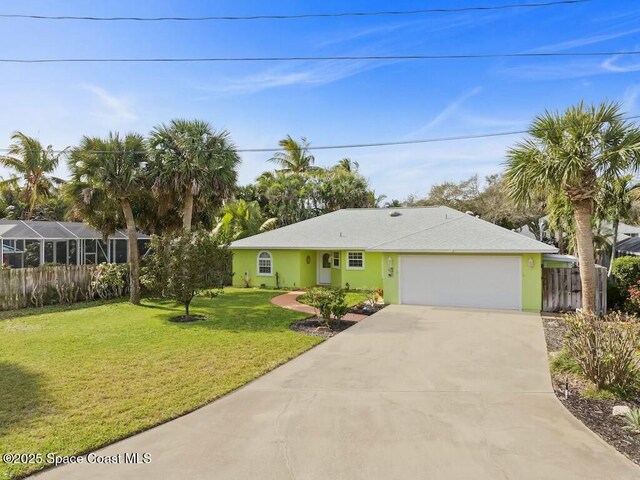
x=329 y=102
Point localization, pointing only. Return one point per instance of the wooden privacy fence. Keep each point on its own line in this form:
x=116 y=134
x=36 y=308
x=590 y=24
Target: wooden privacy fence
x=562 y=290
x=34 y=287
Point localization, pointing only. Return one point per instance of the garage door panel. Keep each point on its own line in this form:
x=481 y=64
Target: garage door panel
x=461 y=281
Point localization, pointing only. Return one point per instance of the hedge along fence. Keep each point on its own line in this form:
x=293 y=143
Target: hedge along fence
x=60 y=284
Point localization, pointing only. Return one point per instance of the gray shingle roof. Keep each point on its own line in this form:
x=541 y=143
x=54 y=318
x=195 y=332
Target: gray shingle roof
x=629 y=245
x=424 y=229
x=27 y=230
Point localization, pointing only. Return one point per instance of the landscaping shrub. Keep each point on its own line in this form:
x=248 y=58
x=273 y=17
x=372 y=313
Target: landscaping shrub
x=328 y=303
x=632 y=420
x=625 y=274
x=109 y=280
x=184 y=264
x=373 y=295
x=606 y=349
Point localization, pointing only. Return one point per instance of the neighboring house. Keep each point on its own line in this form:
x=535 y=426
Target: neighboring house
x=555 y=260
x=428 y=256
x=33 y=243
x=628 y=246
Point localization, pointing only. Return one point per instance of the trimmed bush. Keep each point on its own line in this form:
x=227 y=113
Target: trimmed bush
x=109 y=280
x=625 y=274
x=328 y=303
x=606 y=349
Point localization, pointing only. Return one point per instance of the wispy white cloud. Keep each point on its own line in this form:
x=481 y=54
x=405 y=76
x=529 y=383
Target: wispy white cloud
x=447 y=112
x=584 y=41
x=631 y=97
x=310 y=75
x=362 y=34
x=417 y=167
x=561 y=70
x=112 y=108
x=615 y=65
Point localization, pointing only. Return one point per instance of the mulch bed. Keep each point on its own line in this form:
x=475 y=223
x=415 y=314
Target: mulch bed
x=366 y=309
x=312 y=326
x=595 y=413
x=190 y=318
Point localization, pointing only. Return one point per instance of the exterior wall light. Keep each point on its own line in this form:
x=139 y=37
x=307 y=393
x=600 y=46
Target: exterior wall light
x=530 y=262
x=390 y=266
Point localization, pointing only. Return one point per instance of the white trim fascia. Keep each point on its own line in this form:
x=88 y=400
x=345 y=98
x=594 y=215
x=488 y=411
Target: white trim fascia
x=445 y=250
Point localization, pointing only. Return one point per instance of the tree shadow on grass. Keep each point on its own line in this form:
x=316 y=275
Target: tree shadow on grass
x=33 y=311
x=21 y=396
x=240 y=311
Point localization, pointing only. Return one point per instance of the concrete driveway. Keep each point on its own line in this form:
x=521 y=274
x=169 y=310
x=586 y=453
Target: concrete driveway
x=410 y=393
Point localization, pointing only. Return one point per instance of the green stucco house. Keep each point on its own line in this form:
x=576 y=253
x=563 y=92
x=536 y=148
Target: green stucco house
x=423 y=256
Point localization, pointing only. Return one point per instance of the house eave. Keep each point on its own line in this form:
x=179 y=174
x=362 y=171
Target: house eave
x=431 y=250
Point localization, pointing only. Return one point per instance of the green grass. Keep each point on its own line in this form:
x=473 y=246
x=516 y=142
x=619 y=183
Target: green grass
x=563 y=362
x=75 y=378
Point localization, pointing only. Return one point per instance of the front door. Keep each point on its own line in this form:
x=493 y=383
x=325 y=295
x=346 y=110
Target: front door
x=324 y=268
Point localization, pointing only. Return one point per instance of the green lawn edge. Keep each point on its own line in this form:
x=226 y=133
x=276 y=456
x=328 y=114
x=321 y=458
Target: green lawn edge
x=35 y=315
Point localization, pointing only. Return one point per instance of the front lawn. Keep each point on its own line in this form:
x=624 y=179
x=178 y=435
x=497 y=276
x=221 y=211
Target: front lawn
x=74 y=379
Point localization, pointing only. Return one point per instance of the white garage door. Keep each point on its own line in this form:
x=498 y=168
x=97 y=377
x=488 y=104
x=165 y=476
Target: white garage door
x=480 y=281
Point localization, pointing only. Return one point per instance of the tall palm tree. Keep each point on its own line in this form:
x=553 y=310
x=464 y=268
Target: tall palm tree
x=242 y=219
x=296 y=157
x=614 y=204
x=108 y=172
x=570 y=153
x=191 y=159
x=33 y=165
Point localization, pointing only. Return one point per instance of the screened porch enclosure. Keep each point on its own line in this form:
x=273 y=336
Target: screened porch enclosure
x=34 y=243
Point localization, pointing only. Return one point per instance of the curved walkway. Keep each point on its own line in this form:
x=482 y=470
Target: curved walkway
x=410 y=393
x=290 y=300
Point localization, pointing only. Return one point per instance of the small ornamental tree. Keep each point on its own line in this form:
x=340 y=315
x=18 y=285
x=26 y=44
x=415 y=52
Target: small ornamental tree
x=185 y=263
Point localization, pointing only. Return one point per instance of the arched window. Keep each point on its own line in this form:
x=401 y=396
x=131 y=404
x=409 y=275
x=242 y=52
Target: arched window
x=265 y=264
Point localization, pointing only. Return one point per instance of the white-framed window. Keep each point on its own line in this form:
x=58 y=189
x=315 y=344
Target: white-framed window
x=336 y=259
x=355 y=260
x=265 y=264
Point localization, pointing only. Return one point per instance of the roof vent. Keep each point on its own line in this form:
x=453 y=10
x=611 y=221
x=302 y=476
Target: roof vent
x=395 y=214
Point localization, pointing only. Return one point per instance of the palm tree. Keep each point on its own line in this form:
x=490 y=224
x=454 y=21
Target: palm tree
x=560 y=221
x=242 y=219
x=394 y=203
x=33 y=165
x=296 y=157
x=348 y=165
x=189 y=158
x=615 y=203
x=569 y=154
x=108 y=172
